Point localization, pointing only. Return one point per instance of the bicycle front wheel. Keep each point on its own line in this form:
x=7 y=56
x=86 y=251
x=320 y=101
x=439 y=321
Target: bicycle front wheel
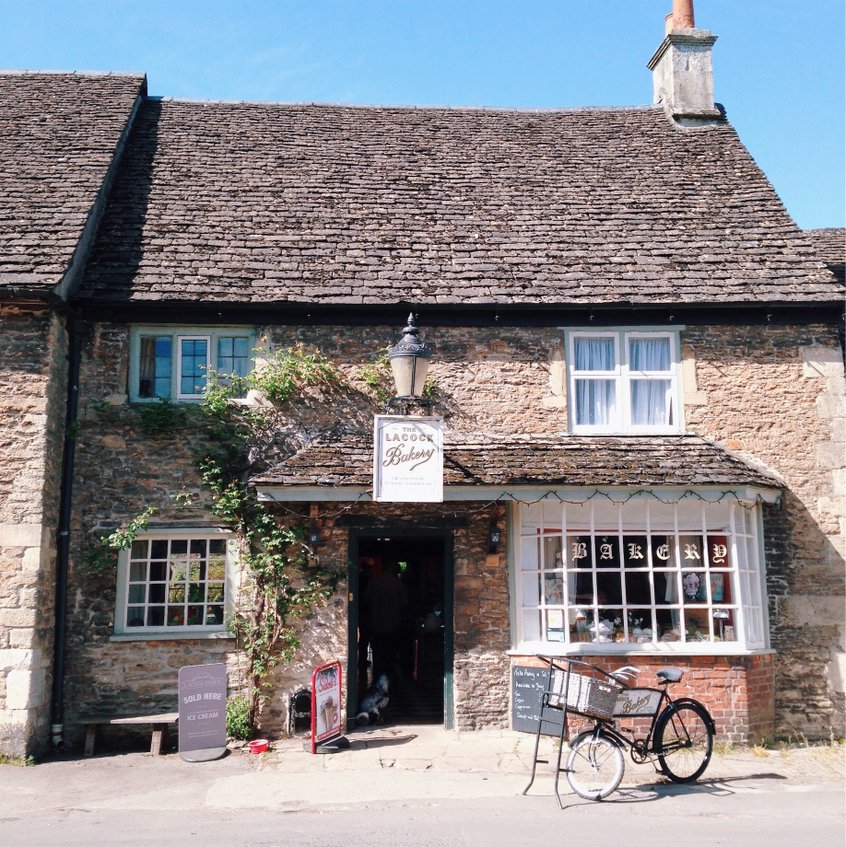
x=595 y=766
x=684 y=741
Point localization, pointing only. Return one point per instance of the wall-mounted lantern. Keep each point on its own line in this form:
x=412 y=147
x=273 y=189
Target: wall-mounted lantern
x=410 y=365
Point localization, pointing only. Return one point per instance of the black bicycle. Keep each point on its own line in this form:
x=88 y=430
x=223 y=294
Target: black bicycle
x=680 y=734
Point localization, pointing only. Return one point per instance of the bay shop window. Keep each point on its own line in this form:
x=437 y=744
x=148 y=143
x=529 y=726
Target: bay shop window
x=640 y=575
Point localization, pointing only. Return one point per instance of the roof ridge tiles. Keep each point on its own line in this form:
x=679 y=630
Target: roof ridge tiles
x=413 y=107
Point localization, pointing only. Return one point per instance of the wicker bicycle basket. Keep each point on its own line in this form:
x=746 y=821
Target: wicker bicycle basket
x=586 y=695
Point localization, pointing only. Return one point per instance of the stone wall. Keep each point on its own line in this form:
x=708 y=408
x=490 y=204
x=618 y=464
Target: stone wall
x=776 y=395
x=773 y=393
x=32 y=413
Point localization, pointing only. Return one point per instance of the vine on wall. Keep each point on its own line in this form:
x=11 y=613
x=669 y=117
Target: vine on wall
x=282 y=579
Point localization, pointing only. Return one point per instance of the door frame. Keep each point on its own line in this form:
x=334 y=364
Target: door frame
x=400 y=530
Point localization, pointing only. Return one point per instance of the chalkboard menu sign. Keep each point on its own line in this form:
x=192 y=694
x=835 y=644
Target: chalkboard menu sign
x=527 y=687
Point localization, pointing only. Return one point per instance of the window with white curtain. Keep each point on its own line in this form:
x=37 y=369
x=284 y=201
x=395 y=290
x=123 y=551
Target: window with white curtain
x=624 y=381
x=640 y=575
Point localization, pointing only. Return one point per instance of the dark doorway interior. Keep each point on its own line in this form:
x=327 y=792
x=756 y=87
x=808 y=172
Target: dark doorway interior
x=414 y=654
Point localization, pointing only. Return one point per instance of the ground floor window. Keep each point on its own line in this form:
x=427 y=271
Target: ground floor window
x=640 y=573
x=178 y=582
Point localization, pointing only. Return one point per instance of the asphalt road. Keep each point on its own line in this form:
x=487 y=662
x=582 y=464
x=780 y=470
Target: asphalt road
x=751 y=812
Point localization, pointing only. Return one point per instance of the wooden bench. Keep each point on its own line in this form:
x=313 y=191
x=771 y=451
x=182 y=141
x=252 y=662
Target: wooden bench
x=158 y=722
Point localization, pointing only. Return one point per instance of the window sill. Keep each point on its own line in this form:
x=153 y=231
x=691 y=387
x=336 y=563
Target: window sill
x=172 y=636
x=664 y=649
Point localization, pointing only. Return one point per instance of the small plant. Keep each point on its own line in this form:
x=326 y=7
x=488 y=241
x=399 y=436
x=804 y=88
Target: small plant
x=162 y=416
x=377 y=377
x=238 y=725
x=288 y=372
x=102 y=556
x=16 y=761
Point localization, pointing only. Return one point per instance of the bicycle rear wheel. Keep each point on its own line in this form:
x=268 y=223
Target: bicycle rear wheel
x=595 y=766
x=684 y=740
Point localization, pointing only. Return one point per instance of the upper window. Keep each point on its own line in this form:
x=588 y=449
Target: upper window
x=640 y=575
x=180 y=582
x=169 y=363
x=624 y=382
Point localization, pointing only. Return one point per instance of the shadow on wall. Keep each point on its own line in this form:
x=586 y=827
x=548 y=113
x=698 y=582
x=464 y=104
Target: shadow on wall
x=807 y=610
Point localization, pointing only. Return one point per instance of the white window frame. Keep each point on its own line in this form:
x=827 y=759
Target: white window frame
x=536 y=631
x=177 y=389
x=164 y=632
x=622 y=377
x=177 y=334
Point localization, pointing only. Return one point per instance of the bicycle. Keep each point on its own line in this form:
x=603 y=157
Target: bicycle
x=680 y=735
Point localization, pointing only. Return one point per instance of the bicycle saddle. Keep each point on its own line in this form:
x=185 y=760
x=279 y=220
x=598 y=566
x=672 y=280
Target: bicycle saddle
x=669 y=674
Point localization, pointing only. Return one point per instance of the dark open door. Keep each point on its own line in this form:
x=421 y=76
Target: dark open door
x=421 y=651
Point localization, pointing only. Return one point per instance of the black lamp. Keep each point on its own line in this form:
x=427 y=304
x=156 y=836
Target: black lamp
x=410 y=364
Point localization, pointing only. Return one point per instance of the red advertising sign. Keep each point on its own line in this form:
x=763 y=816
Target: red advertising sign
x=325 y=704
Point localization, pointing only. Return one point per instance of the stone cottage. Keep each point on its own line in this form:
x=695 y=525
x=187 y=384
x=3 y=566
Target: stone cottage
x=637 y=357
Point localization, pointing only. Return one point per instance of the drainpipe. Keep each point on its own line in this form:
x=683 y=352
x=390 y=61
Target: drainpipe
x=76 y=332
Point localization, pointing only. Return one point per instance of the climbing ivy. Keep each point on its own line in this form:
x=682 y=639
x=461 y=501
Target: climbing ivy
x=282 y=579
x=289 y=372
x=104 y=554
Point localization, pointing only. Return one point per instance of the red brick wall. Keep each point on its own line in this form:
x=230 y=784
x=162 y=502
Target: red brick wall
x=738 y=691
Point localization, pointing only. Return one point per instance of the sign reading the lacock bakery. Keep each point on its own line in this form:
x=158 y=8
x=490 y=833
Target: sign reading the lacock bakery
x=408 y=460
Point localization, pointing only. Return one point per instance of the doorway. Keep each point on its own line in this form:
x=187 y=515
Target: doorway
x=417 y=654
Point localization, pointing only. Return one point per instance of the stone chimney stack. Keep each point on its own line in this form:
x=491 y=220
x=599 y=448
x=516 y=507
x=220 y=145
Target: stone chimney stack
x=682 y=75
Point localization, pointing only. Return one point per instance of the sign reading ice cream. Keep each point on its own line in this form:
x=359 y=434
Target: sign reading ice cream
x=408 y=460
x=202 y=709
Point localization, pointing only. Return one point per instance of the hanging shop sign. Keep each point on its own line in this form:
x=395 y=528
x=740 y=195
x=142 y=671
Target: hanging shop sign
x=202 y=712
x=325 y=705
x=408 y=459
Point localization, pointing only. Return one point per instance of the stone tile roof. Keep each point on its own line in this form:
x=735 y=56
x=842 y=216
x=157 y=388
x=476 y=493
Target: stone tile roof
x=264 y=203
x=58 y=136
x=830 y=244
x=679 y=460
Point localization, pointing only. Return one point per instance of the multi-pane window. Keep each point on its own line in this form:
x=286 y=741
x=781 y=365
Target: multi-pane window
x=640 y=573
x=624 y=381
x=175 y=365
x=175 y=583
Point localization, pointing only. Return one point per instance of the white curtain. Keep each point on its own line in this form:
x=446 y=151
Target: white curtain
x=650 y=398
x=649 y=354
x=594 y=354
x=595 y=401
x=595 y=398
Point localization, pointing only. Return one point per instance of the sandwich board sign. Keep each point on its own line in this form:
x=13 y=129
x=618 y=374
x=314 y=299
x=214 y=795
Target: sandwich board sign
x=326 y=708
x=408 y=459
x=202 y=712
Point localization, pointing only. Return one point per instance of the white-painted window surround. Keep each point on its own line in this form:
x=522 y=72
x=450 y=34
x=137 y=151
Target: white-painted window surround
x=624 y=381
x=173 y=363
x=176 y=581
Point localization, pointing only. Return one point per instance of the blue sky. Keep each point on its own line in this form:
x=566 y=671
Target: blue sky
x=778 y=64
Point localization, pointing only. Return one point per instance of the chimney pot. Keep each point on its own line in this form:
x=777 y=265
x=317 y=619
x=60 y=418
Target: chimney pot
x=683 y=14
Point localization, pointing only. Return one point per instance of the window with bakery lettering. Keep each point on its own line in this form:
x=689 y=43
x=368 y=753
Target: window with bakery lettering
x=641 y=574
